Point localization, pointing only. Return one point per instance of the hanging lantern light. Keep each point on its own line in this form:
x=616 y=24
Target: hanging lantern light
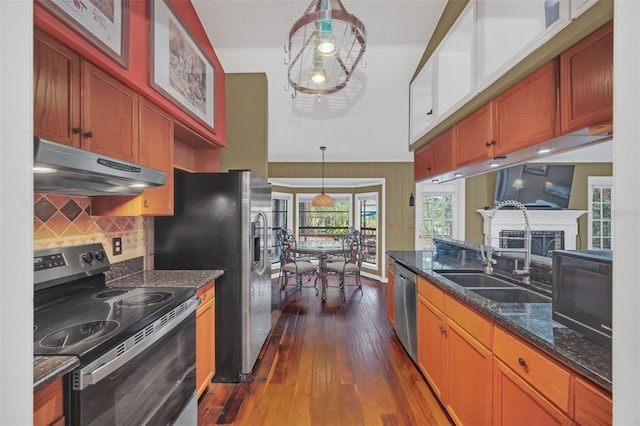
x=322 y=199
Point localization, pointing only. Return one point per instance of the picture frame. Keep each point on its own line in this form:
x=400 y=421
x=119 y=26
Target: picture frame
x=178 y=68
x=536 y=169
x=104 y=23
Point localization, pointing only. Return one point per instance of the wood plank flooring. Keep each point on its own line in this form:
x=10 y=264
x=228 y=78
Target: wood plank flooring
x=337 y=363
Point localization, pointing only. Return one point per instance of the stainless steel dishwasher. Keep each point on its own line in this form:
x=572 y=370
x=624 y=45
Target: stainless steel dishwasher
x=405 y=297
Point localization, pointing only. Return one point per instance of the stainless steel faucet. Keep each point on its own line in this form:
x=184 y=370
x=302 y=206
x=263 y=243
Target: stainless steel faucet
x=487 y=250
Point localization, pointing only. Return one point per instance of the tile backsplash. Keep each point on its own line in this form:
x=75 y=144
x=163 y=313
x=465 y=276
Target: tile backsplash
x=62 y=220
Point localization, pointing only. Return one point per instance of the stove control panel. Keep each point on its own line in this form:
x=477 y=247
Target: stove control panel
x=41 y=263
x=61 y=264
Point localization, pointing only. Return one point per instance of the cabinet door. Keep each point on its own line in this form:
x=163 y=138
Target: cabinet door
x=527 y=113
x=204 y=342
x=517 y=403
x=443 y=154
x=586 y=81
x=431 y=346
x=421 y=110
x=56 y=91
x=391 y=304
x=474 y=137
x=155 y=149
x=47 y=404
x=109 y=115
x=593 y=405
x=423 y=163
x=469 y=376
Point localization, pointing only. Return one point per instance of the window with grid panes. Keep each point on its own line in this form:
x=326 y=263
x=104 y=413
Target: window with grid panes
x=280 y=207
x=437 y=217
x=599 y=216
x=368 y=225
x=323 y=223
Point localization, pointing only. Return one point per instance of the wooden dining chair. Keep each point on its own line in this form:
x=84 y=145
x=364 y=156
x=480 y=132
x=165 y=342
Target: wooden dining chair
x=290 y=264
x=352 y=247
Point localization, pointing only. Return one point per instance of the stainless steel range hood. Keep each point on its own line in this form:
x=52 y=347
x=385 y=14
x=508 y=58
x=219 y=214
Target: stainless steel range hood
x=62 y=169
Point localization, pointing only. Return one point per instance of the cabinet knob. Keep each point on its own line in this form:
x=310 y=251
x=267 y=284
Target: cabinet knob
x=493 y=142
x=76 y=130
x=430 y=112
x=88 y=134
x=522 y=361
x=488 y=144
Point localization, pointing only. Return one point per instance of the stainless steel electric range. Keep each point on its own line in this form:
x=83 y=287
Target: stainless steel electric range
x=136 y=345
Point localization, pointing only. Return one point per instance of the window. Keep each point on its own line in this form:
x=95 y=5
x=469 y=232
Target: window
x=367 y=223
x=599 y=216
x=281 y=206
x=323 y=223
x=439 y=213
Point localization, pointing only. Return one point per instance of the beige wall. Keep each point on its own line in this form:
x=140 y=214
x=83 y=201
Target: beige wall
x=247 y=124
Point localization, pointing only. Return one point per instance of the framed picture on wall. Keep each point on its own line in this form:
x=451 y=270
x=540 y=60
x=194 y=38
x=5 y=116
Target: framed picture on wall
x=178 y=68
x=536 y=169
x=104 y=23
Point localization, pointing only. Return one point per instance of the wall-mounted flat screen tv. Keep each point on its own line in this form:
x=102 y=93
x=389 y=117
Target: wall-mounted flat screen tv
x=537 y=186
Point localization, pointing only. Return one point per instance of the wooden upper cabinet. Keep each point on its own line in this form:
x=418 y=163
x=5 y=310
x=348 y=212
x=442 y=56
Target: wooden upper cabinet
x=474 y=136
x=56 y=91
x=527 y=113
x=443 y=153
x=109 y=115
x=423 y=163
x=586 y=81
x=155 y=149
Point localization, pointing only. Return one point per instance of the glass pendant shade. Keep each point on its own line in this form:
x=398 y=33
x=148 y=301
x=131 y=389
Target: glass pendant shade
x=325 y=45
x=322 y=199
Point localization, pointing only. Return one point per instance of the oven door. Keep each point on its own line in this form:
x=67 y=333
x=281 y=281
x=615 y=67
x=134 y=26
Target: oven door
x=148 y=379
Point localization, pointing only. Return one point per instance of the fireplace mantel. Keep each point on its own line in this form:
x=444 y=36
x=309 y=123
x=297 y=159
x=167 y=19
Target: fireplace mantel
x=539 y=220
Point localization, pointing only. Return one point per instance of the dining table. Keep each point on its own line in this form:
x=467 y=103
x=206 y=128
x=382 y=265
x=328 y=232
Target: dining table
x=322 y=249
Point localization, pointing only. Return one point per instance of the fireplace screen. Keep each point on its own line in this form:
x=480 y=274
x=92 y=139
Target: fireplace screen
x=543 y=243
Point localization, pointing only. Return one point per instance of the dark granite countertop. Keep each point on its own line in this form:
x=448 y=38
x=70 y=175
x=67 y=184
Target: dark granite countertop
x=48 y=368
x=530 y=321
x=167 y=278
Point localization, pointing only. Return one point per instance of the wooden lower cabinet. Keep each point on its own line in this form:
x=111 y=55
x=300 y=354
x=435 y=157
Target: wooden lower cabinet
x=431 y=345
x=515 y=402
x=456 y=365
x=593 y=406
x=391 y=303
x=469 y=366
x=205 y=338
x=47 y=405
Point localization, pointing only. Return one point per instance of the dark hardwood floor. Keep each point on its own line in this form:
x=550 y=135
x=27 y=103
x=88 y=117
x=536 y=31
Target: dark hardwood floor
x=337 y=363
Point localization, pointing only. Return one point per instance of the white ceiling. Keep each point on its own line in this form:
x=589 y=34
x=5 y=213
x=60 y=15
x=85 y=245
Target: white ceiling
x=366 y=121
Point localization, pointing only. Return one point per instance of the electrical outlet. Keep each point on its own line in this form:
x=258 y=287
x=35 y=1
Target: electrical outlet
x=117 y=245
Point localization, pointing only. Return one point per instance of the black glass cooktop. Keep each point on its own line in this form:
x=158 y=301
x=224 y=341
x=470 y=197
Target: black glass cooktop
x=90 y=318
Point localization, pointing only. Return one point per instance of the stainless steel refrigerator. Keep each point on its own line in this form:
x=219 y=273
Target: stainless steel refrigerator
x=221 y=221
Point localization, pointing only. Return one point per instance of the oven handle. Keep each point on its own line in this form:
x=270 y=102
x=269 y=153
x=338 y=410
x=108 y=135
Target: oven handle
x=108 y=363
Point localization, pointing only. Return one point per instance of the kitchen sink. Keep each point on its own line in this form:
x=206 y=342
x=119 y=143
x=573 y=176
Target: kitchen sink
x=511 y=295
x=476 y=279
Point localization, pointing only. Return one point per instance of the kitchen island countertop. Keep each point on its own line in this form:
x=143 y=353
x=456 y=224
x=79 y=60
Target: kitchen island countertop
x=530 y=321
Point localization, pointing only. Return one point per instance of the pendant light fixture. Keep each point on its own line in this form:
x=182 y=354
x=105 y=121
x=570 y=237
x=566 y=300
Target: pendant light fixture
x=325 y=45
x=322 y=199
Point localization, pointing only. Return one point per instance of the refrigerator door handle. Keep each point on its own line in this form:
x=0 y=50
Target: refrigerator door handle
x=265 y=233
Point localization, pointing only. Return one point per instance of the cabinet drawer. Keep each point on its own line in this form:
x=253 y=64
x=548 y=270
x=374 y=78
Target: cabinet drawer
x=432 y=293
x=542 y=373
x=593 y=405
x=472 y=322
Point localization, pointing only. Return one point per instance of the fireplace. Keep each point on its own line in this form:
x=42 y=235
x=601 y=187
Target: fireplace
x=550 y=229
x=543 y=243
